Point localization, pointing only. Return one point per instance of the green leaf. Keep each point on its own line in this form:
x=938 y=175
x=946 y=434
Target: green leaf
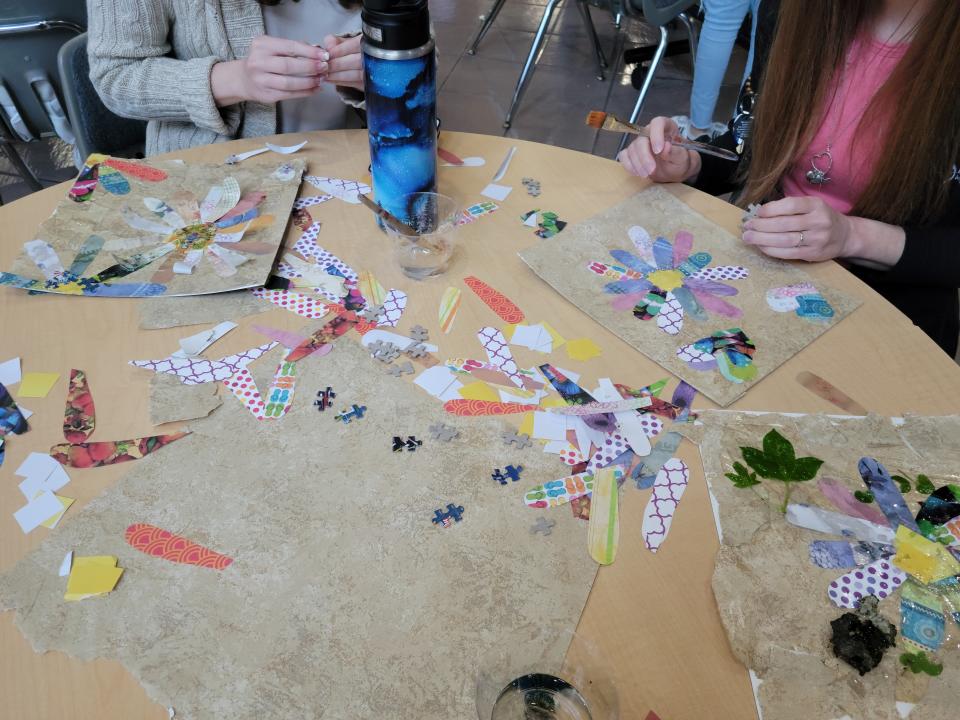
x=924 y=486
x=864 y=496
x=805 y=468
x=955 y=489
x=903 y=482
x=741 y=477
x=919 y=662
x=778 y=449
x=765 y=467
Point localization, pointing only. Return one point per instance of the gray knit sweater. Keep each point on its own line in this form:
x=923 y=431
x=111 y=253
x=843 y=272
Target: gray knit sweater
x=151 y=60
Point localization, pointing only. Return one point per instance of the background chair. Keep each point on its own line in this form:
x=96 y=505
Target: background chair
x=96 y=129
x=31 y=33
x=657 y=12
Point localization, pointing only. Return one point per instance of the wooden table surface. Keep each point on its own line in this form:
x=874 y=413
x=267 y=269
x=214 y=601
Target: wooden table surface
x=653 y=616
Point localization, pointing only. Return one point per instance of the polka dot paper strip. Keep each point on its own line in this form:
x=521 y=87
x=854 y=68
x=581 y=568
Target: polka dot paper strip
x=244 y=387
x=303 y=305
x=879 y=578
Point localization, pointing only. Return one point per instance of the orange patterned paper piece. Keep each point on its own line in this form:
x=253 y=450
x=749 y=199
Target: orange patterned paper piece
x=164 y=544
x=138 y=170
x=496 y=301
x=475 y=408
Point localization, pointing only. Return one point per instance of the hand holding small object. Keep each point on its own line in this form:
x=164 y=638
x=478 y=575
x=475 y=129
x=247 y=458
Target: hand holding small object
x=799 y=228
x=275 y=69
x=345 y=66
x=657 y=158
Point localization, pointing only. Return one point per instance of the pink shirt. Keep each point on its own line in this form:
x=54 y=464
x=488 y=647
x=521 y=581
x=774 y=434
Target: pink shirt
x=869 y=64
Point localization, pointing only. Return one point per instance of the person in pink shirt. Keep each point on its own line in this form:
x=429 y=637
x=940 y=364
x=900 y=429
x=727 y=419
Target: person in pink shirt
x=850 y=145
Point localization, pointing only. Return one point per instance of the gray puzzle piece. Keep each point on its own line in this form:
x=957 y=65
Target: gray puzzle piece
x=543 y=526
x=520 y=440
x=443 y=432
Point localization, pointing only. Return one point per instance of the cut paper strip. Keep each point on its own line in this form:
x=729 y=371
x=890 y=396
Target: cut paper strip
x=476 y=408
x=668 y=488
x=151 y=540
x=195 y=344
x=53 y=521
x=583 y=349
x=614 y=406
x=927 y=561
x=40 y=472
x=286 y=338
x=340 y=325
x=346 y=190
x=842 y=554
x=608 y=451
x=244 y=388
x=844 y=501
x=449 y=306
x=825 y=521
x=196 y=371
x=477 y=210
x=85 y=255
x=302 y=305
x=280 y=394
x=96 y=454
x=649 y=468
x=630 y=427
x=10 y=371
x=372 y=291
x=886 y=494
x=603 y=532
x=496 y=301
x=37 y=385
x=308 y=248
x=305 y=202
x=43 y=507
x=879 y=578
x=499 y=353
x=441 y=383
x=393 y=307
x=92 y=576
x=79 y=418
x=312 y=275
x=829 y=392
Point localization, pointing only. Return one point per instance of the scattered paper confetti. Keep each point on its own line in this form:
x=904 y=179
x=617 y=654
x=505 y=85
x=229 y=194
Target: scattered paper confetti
x=37 y=385
x=583 y=349
x=151 y=540
x=496 y=301
x=92 y=576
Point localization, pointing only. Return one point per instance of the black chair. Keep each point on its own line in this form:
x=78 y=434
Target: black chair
x=31 y=33
x=96 y=129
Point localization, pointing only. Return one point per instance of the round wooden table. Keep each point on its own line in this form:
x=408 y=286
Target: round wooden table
x=654 y=616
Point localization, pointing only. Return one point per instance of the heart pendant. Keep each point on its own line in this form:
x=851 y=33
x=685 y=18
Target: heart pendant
x=817 y=175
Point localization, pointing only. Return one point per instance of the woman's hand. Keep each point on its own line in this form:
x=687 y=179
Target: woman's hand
x=275 y=69
x=799 y=228
x=346 y=61
x=657 y=158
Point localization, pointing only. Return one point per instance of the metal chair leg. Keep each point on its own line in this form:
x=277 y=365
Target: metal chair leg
x=692 y=33
x=533 y=58
x=487 y=22
x=647 y=82
x=594 y=38
x=21 y=167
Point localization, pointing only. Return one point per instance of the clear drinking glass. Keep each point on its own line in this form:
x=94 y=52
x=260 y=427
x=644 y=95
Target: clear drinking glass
x=563 y=678
x=434 y=218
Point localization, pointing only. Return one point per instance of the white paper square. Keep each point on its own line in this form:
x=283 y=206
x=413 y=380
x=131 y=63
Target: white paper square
x=496 y=192
x=42 y=472
x=37 y=511
x=10 y=372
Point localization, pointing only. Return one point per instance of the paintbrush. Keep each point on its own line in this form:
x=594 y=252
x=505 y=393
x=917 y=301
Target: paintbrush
x=388 y=217
x=605 y=121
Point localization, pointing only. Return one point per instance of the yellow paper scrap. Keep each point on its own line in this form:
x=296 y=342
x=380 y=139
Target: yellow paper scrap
x=583 y=349
x=558 y=339
x=925 y=560
x=603 y=532
x=553 y=401
x=526 y=427
x=370 y=288
x=92 y=575
x=479 y=391
x=36 y=384
x=51 y=522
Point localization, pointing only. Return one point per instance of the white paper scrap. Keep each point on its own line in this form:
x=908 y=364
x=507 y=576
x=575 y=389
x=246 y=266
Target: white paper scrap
x=66 y=565
x=23 y=411
x=195 y=344
x=37 y=511
x=496 y=192
x=10 y=372
x=533 y=337
x=42 y=472
x=548 y=426
x=509 y=397
x=632 y=431
x=440 y=382
x=826 y=521
x=605 y=391
x=555 y=447
x=533 y=220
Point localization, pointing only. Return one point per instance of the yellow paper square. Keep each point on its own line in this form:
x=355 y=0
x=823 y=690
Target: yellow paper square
x=553 y=401
x=93 y=575
x=583 y=349
x=558 y=339
x=479 y=391
x=51 y=522
x=924 y=559
x=36 y=384
x=526 y=427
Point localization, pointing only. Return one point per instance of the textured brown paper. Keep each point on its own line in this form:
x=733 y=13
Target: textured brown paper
x=167 y=312
x=73 y=222
x=344 y=600
x=172 y=401
x=773 y=600
x=563 y=262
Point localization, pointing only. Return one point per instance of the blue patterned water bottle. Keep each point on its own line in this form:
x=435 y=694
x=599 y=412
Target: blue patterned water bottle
x=400 y=79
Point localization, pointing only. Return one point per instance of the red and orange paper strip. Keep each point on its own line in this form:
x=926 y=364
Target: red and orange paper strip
x=151 y=540
x=496 y=301
x=476 y=408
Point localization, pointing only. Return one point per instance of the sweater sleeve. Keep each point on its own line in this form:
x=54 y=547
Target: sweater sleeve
x=931 y=256
x=131 y=69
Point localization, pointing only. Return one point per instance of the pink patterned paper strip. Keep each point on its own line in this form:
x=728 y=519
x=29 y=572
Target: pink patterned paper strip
x=302 y=305
x=196 y=371
x=668 y=488
x=498 y=351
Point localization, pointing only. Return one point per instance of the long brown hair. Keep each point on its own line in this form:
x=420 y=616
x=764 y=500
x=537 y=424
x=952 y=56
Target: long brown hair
x=916 y=112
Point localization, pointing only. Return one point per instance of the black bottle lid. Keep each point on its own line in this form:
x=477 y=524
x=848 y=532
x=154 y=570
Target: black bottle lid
x=396 y=24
